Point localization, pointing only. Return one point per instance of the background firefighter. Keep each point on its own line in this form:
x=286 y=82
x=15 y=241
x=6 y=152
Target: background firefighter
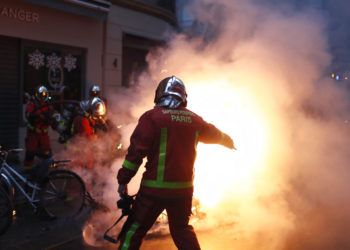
x=94 y=92
x=91 y=118
x=69 y=109
x=167 y=135
x=39 y=114
x=84 y=128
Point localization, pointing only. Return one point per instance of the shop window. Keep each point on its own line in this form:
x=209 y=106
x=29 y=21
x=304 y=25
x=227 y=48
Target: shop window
x=57 y=67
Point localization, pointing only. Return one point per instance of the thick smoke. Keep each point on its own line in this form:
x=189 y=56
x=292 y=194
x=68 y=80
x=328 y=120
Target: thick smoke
x=280 y=56
x=271 y=61
x=257 y=71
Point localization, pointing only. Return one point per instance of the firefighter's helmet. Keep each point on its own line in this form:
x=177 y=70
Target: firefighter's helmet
x=41 y=93
x=171 y=86
x=94 y=91
x=97 y=108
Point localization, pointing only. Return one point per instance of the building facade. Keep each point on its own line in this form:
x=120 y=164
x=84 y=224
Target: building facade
x=72 y=43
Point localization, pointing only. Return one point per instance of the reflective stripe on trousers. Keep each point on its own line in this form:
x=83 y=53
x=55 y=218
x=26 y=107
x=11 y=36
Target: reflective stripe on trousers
x=128 y=237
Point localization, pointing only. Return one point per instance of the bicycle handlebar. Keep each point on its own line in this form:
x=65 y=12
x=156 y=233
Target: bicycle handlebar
x=16 y=150
x=5 y=152
x=10 y=150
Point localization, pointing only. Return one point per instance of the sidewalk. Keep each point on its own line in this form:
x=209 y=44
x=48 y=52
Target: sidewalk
x=28 y=231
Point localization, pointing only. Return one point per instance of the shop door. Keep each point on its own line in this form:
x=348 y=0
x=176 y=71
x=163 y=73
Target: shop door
x=9 y=91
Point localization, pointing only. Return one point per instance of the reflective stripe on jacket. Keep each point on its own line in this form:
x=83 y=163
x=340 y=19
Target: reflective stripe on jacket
x=168 y=139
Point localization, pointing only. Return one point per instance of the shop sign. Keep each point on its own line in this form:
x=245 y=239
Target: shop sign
x=19 y=14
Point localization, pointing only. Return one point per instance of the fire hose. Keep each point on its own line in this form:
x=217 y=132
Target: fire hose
x=125 y=204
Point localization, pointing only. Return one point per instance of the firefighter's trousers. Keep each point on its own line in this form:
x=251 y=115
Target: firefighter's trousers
x=146 y=210
x=36 y=144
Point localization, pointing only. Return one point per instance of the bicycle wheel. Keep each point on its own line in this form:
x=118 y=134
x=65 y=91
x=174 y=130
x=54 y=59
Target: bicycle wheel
x=5 y=211
x=62 y=194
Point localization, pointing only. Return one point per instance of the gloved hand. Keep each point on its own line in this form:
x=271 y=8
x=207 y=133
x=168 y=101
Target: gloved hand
x=122 y=190
x=228 y=142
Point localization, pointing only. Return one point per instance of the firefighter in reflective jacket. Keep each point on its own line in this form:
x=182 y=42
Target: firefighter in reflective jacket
x=39 y=117
x=167 y=135
x=90 y=118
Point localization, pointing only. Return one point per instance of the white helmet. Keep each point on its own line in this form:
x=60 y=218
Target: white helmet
x=97 y=108
x=173 y=87
x=94 y=91
x=41 y=93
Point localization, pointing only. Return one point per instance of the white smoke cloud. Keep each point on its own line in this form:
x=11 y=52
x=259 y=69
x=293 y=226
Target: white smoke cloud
x=279 y=56
x=258 y=73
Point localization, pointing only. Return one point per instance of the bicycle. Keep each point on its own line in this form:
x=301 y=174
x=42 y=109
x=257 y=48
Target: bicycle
x=57 y=192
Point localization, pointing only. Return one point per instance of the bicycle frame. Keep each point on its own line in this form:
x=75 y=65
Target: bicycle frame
x=9 y=174
x=57 y=193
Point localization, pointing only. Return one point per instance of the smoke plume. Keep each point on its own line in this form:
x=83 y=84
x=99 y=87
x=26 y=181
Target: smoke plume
x=265 y=64
x=257 y=71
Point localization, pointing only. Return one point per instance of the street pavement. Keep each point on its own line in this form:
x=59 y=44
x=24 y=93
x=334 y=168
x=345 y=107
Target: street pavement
x=30 y=232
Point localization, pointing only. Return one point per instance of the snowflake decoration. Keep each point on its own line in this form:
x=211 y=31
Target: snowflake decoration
x=53 y=61
x=70 y=62
x=36 y=59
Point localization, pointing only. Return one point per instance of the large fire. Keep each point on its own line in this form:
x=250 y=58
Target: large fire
x=219 y=171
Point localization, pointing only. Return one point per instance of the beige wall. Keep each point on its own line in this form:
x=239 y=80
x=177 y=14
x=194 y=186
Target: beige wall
x=54 y=26
x=122 y=20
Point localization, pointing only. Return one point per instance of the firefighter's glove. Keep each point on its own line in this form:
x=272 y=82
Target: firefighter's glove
x=122 y=190
x=227 y=141
x=125 y=204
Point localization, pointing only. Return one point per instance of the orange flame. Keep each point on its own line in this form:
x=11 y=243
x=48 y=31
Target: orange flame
x=219 y=171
